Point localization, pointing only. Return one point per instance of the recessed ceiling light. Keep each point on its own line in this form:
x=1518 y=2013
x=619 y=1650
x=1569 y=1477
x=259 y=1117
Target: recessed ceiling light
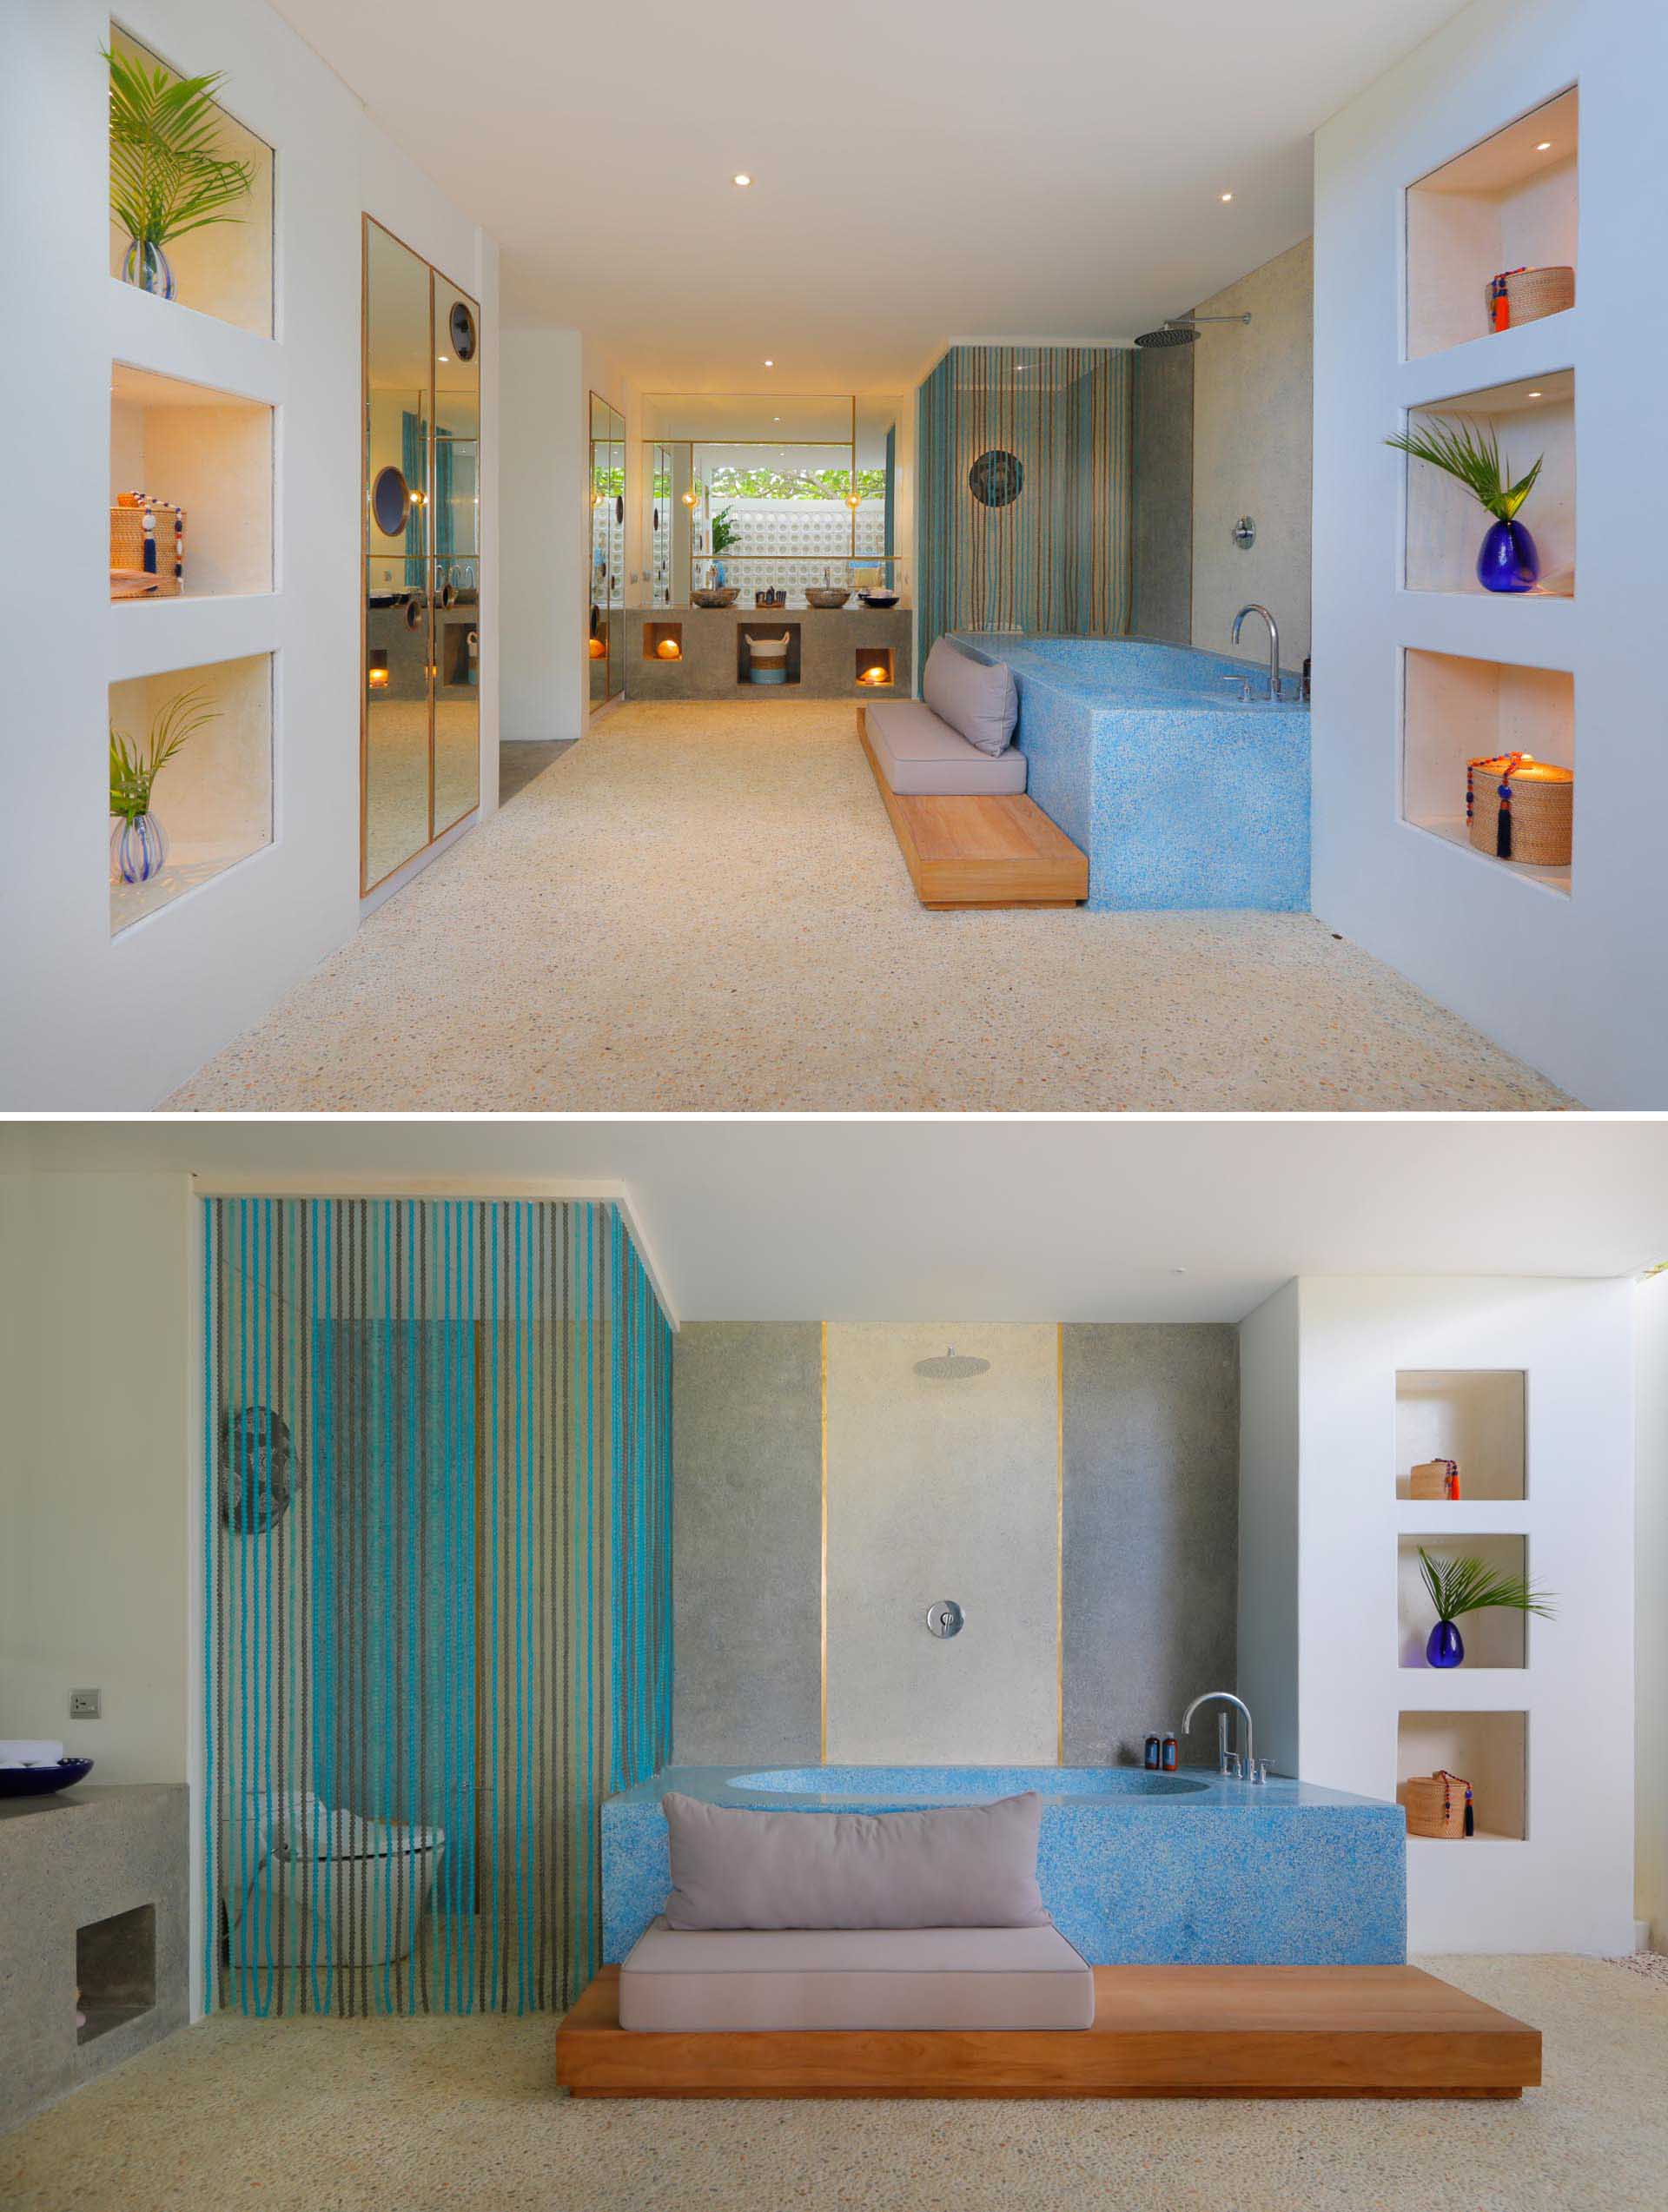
x=1544 y=147
x=444 y=357
x=1534 y=395
x=770 y=364
x=1226 y=196
x=741 y=178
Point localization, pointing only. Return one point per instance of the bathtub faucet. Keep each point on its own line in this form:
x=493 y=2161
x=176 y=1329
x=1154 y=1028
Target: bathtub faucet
x=1273 y=643
x=1240 y=1767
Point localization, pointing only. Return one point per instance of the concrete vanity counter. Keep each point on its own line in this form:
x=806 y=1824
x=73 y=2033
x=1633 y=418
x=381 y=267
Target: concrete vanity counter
x=95 y=1883
x=828 y=648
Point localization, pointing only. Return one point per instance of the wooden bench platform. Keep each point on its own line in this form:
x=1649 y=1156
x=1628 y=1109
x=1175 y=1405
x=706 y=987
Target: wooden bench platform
x=1158 y=2031
x=1001 y=852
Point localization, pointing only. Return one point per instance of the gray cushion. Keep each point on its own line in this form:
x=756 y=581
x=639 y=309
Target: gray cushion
x=708 y=1981
x=957 y=1866
x=980 y=701
x=921 y=757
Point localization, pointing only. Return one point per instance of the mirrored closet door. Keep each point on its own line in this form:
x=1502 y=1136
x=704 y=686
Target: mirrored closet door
x=605 y=636
x=420 y=729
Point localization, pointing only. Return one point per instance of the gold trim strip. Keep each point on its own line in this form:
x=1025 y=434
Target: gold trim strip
x=1059 y=1538
x=823 y=1754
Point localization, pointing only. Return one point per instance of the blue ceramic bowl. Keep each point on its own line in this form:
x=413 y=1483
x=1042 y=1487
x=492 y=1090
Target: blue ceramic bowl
x=41 y=1781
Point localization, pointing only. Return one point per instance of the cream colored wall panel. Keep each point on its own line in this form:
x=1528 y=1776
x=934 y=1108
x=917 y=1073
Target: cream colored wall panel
x=942 y=1489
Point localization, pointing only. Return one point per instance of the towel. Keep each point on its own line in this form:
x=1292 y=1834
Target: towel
x=24 y=1751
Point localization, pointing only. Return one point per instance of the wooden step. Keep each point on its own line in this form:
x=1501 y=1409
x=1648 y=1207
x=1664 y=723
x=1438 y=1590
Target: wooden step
x=1158 y=2031
x=1001 y=852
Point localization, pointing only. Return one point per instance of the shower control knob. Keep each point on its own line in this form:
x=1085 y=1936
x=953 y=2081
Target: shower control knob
x=944 y=1617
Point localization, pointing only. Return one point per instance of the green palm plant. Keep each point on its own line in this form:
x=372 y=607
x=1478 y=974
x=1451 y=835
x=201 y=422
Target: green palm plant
x=1471 y=453
x=134 y=768
x=166 y=179
x=725 y=532
x=1462 y=1585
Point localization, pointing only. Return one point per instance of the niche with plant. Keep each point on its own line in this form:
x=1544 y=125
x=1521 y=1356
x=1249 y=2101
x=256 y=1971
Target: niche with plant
x=191 y=191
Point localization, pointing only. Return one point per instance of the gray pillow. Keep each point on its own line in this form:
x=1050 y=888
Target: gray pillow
x=957 y=1866
x=980 y=702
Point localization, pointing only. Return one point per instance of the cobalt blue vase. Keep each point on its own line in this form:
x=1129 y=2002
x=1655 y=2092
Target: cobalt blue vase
x=1508 y=562
x=1443 y=1646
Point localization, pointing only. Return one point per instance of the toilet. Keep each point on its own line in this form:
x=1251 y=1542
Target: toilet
x=307 y=1886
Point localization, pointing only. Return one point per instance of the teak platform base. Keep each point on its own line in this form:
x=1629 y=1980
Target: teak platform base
x=1158 y=2031
x=981 y=852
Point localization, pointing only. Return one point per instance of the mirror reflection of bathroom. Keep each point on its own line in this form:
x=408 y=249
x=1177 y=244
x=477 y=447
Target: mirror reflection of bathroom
x=421 y=731
x=396 y=550
x=605 y=636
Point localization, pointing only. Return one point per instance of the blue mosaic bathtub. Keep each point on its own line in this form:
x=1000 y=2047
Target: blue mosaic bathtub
x=1183 y=794
x=1136 y=1869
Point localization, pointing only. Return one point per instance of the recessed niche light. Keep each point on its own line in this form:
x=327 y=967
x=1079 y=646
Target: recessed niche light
x=444 y=357
x=741 y=178
x=770 y=364
x=1544 y=147
x=1226 y=196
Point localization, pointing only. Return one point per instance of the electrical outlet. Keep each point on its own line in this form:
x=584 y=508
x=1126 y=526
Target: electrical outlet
x=83 y=1705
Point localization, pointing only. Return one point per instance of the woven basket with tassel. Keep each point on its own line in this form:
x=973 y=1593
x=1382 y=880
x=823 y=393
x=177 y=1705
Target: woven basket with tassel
x=1518 y=808
x=1438 y=1805
x=1528 y=293
x=1434 y=1478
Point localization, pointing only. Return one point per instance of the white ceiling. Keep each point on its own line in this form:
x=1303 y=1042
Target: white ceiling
x=1003 y=1219
x=922 y=170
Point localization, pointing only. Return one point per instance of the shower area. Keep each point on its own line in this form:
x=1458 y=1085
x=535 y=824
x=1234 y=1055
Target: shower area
x=436 y=1552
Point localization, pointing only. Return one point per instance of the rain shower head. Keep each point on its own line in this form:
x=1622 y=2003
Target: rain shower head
x=953 y=1368
x=1183 y=329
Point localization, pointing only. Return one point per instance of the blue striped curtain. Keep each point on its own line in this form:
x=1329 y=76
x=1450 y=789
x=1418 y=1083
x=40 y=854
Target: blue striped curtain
x=414 y=462
x=1056 y=559
x=436 y=1551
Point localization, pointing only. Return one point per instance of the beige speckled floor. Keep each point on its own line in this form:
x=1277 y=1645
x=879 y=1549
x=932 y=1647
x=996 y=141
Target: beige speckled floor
x=350 y=2117
x=703 y=909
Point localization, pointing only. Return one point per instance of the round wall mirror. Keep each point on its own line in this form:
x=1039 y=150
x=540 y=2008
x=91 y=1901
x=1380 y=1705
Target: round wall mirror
x=996 y=478
x=390 y=501
x=258 y=1473
x=461 y=324
x=414 y=614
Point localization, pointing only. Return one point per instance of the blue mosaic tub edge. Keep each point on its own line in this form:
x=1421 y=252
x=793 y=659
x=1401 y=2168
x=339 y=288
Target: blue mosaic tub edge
x=1186 y=797
x=1204 y=1872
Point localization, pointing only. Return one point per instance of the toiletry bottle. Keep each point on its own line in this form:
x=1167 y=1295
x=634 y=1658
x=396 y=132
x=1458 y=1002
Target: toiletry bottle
x=1152 y=1760
x=1171 y=1752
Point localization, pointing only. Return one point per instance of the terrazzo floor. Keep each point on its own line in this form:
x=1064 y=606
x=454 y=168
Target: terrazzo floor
x=363 y=2116
x=703 y=909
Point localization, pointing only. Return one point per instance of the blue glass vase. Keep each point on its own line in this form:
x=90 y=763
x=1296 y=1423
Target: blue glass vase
x=1508 y=562
x=146 y=267
x=138 y=848
x=1443 y=1646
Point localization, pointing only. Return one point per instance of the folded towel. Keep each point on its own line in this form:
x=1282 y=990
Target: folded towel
x=24 y=1751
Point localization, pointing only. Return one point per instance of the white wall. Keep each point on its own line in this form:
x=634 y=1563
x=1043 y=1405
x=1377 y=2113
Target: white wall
x=1253 y=411
x=96 y=1495
x=545 y=535
x=1651 y=1646
x=1577 y=986
x=942 y=1489
x=89 y=1023
x=1569 y=1886
x=1267 y=1669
